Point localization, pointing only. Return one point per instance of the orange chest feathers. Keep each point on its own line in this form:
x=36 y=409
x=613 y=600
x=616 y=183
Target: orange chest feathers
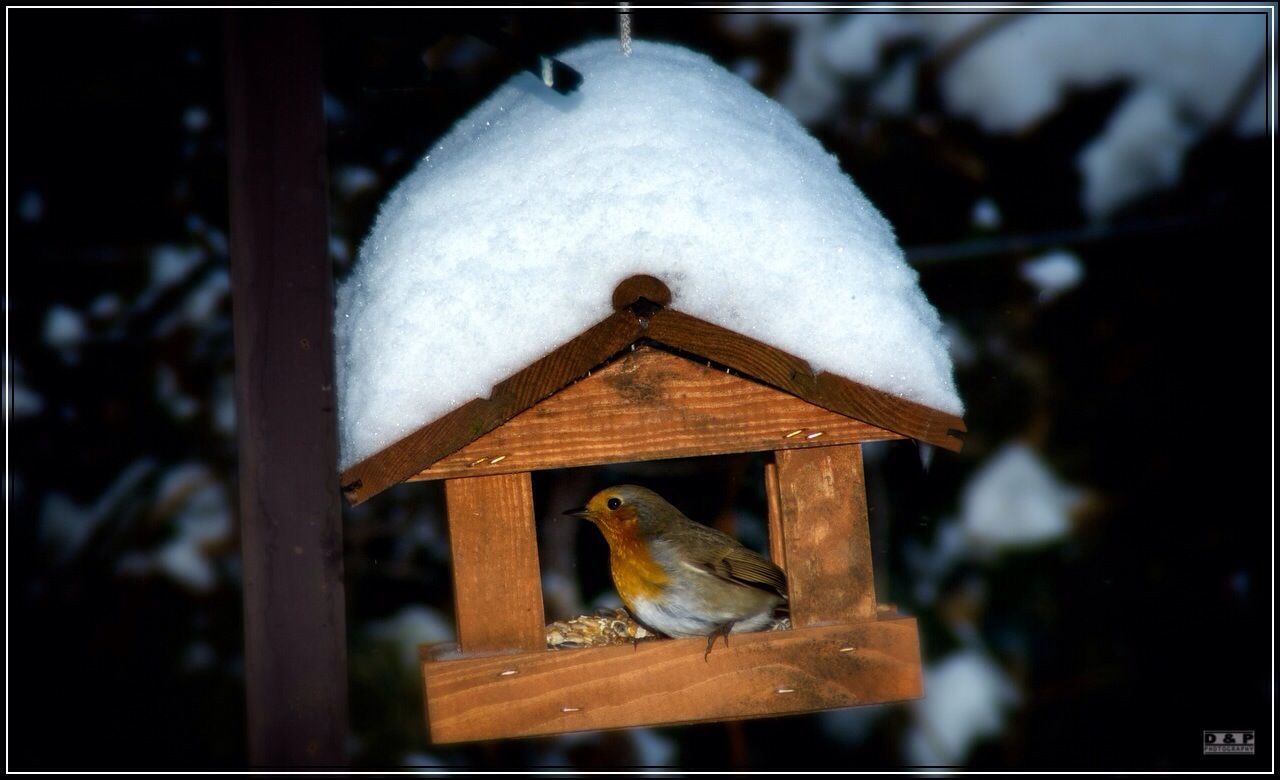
x=636 y=574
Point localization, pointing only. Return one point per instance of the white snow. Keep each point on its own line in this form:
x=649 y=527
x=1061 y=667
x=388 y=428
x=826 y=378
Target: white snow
x=106 y=306
x=65 y=526
x=351 y=180
x=22 y=400
x=1052 y=274
x=339 y=250
x=171 y=264
x=195 y=119
x=334 y=112
x=963 y=351
x=854 y=45
x=25 y=402
x=1021 y=71
x=170 y=395
x=1253 y=119
x=1139 y=152
x=1184 y=69
x=748 y=68
x=967 y=698
x=199 y=510
x=223 y=406
x=204 y=301
x=829 y=50
x=896 y=93
x=986 y=214
x=808 y=91
x=931 y=563
x=217 y=241
x=1014 y=501
x=653 y=748
x=508 y=238
x=64 y=327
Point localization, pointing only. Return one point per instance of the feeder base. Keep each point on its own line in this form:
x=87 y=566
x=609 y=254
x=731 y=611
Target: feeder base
x=668 y=681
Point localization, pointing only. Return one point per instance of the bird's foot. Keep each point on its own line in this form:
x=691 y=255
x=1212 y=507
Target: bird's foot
x=711 y=638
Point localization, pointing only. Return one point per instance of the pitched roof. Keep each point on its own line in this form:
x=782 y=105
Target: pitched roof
x=641 y=318
x=492 y=252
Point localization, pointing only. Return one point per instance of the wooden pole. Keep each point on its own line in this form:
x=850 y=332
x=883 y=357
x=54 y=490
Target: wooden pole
x=825 y=538
x=282 y=294
x=497 y=586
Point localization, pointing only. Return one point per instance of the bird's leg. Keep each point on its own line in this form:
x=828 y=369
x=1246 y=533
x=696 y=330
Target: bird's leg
x=722 y=630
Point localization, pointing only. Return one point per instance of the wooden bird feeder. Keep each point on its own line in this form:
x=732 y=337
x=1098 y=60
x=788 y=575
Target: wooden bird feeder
x=648 y=383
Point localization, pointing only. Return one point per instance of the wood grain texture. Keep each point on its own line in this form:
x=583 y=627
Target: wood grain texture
x=428 y=444
x=777 y=552
x=794 y=375
x=633 y=288
x=826 y=539
x=650 y=405
x=497 y=587
x=667 y=681
x=282 y=309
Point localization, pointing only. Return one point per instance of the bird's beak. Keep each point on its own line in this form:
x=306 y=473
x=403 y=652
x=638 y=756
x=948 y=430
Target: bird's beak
x=581 y=511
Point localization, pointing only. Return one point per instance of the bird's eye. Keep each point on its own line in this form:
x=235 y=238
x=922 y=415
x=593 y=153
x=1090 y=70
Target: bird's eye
x=615 y=502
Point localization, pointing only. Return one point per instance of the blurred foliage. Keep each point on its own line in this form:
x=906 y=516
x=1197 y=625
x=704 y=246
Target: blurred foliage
x=1142 y=627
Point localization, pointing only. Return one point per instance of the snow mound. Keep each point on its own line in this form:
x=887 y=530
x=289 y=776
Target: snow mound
x=1185 y=72
x=1015 y=501
x=1021 y=74
x=969 y=700
x=508 y=238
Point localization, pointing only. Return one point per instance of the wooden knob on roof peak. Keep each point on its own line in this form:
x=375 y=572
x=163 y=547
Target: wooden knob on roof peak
x=633 y=288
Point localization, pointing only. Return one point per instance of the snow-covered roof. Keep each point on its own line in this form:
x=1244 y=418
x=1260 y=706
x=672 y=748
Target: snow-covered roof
x=507 y=240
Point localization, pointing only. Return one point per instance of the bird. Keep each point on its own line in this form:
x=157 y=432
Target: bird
x=678 y=577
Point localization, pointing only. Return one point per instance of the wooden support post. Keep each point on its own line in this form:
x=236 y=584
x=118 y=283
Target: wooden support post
x=777 y=553
x=497 y=587
x=282 y=300
x=826 y=540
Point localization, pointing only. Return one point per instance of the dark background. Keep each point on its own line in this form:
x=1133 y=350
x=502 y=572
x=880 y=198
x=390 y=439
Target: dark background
x=1148 y=386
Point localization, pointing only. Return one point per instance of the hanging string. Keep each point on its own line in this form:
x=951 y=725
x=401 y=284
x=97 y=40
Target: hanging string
x=624 y=28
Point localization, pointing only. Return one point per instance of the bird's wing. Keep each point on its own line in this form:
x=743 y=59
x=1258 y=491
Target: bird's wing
x=743 y=565
x=726 y=558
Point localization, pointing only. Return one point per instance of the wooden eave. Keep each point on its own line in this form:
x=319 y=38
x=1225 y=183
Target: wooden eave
x=650 y=404
x=642 y=320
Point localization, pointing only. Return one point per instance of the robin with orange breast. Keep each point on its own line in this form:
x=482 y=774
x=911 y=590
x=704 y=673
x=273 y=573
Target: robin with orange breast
x=678 y=577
